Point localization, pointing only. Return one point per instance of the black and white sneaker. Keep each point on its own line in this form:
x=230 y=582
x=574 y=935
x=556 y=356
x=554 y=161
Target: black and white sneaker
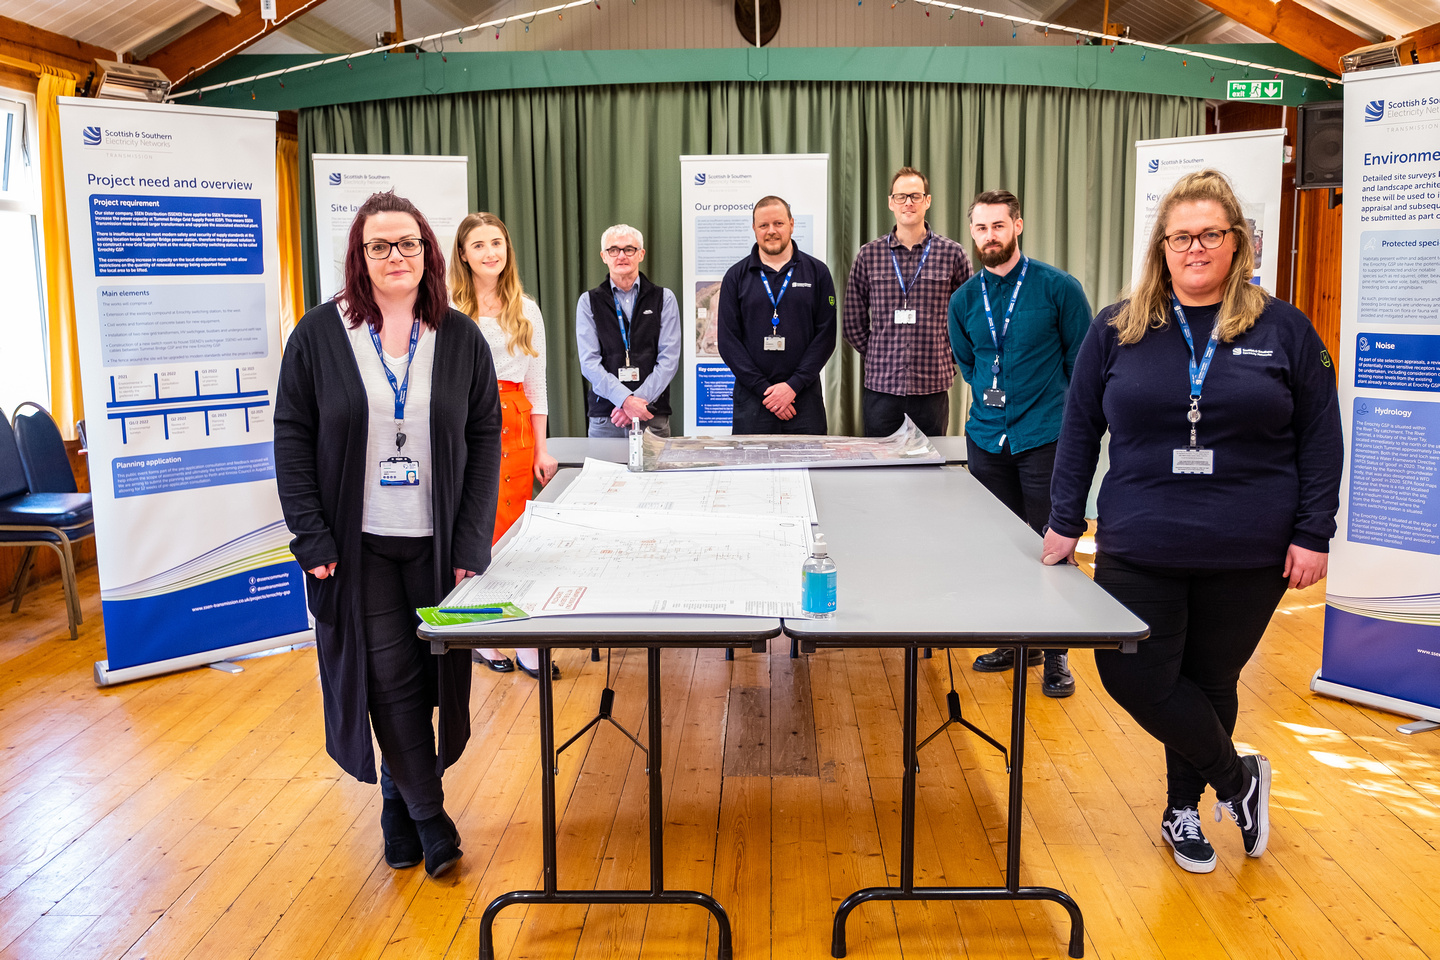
x=1181 y=829
x=1251 y=809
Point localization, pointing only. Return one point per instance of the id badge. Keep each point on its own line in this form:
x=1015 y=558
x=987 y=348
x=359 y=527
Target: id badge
x=774 y=343
x=629 y=374
x=994 y=397
x=904 y=316
x=399 y=472
x=1192 y=460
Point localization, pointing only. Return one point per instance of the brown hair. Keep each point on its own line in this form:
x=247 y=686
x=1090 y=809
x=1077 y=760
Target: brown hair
x=910 y=172
x=358 y=294
x=770 y=201
x=1148 y=306
x=996 y=196
x=519 y=331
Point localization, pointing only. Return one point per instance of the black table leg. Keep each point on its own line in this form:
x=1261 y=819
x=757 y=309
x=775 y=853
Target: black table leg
x=657 y=894
x=1012 y=889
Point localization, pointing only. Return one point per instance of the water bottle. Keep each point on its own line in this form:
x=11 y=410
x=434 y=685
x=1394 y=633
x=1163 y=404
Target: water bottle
x=817 y=582
x=637 y=447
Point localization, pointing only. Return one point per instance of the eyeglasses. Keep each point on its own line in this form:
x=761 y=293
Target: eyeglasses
x=616 y=251
x=1182 y=242
x=380 y=249
x=900 y=198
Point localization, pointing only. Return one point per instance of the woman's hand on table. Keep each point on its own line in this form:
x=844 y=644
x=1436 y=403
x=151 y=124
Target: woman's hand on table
x=1058 y=549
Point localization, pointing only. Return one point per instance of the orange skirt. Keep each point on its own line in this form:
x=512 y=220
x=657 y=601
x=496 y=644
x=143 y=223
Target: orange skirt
x=517 y=456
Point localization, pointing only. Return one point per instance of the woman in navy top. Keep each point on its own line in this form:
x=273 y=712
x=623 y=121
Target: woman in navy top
x=1224 y=479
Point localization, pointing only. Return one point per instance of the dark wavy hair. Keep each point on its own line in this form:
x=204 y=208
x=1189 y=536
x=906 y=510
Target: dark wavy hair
x=432 y=302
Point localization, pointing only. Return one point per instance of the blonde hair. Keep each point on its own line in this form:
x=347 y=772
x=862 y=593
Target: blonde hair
x=519 y=331
x=1148 y=307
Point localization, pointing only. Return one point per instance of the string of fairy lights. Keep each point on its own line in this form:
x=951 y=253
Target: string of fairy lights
x=437 y=42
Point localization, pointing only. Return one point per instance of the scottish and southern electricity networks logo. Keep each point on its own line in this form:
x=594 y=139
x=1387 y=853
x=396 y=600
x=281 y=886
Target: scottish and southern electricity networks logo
x=91 y=136
x=1374 y=110
x=1155 y=166
x=335 y=179
x=699 y=179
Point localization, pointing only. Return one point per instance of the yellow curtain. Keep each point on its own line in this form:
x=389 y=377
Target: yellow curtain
x=287 y=173
x=65 y=402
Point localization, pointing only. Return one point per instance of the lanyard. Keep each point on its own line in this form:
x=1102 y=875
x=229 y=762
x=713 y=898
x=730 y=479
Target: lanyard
x=904 y=290
x=402 y=388
x=774 y=300
x=1197 y=371
x=990 y=317
x=624 y=325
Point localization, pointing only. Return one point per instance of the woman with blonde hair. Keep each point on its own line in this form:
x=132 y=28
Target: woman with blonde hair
x=485 y=285
x=1224 y=480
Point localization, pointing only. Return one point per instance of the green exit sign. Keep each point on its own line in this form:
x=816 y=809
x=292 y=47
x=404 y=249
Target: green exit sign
x=1255 y=90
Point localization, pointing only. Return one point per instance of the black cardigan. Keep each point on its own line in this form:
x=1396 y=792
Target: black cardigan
x=321 y=431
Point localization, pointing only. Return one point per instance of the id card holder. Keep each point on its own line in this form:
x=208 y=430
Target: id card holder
x=629 y=374
x=994 y=397
x=904 y=316
x=774 y=343
x=399 y=472
x=1192 y=460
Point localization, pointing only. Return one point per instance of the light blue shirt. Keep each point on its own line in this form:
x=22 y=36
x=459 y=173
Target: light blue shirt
x=667 y=361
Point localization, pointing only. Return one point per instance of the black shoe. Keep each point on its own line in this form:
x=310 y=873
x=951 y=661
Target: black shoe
x=1181 y=829
x=503 y=665
x=1251 y=809
x=441 y=842
x=402 y=840
x=1057 y=681
x=554 y=669
x=998 y=661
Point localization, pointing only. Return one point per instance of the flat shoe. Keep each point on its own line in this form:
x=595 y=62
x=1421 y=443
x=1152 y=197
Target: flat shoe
x=441 y=843
x=503 y=665
x=554 y=670
x=997 y=661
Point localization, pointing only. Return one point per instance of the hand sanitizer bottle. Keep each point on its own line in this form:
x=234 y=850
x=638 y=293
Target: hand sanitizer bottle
x=817 y=582
x=637 y=447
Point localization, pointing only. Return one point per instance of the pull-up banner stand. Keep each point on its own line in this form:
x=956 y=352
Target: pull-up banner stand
x=177 y=303
x=1382 y=613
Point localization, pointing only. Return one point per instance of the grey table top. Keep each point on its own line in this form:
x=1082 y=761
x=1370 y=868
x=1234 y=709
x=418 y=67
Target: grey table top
x=572 y=451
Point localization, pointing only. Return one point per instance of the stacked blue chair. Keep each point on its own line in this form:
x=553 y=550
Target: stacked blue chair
x=39 y=504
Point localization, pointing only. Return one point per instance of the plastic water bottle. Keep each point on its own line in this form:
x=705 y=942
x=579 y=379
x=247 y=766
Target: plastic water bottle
x=817 y=582
x=637 y=447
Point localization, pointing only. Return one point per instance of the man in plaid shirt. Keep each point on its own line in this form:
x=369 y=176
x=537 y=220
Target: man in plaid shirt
x=894 y=314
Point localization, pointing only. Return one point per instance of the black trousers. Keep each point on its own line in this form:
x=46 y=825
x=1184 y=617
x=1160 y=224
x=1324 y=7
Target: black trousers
x=750 y=415
x=884 y=412
x=399 y=576
x=1021 y=481
x=1182 y=684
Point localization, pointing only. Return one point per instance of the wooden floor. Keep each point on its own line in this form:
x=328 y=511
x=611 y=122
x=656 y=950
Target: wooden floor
x=197 y=815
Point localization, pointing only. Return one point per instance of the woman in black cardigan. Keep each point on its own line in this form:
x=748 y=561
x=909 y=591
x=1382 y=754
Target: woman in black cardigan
x=387 y=454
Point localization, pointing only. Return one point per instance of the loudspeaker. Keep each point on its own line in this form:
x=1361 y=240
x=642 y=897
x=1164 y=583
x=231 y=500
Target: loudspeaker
x=1320 y=157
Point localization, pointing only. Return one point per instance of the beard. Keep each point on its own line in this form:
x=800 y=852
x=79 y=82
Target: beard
x=993 y=257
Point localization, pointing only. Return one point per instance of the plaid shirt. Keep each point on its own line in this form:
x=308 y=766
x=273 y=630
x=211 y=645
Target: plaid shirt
x=901 y=358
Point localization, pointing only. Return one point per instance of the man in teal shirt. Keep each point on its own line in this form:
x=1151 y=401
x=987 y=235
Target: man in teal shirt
x=1015 y=328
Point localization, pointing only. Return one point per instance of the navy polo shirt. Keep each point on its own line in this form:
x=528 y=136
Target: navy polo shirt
x=807 y=322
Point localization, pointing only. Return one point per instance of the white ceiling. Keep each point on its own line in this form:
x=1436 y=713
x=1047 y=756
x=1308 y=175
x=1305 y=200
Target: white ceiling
x=342 y=26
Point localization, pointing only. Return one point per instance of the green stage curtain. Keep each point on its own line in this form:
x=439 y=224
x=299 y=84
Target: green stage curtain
x=560 y=165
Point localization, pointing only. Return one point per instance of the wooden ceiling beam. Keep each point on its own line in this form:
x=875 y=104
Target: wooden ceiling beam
x=222 y=37
x=24 y=42
x=1294 y=27
x=1427 y=42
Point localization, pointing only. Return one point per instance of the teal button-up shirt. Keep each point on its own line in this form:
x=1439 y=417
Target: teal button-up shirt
x=1037 y=355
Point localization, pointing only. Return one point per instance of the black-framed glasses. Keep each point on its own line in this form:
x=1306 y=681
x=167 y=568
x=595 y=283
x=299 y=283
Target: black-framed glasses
x=380 y=249
x=1182 y=242
x=616 y=251
x=910 y=197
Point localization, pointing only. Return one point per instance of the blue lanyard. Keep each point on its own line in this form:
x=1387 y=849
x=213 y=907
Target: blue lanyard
x=624 y=325
x=990 y=317
x=401 y=389
x=904 y=290
x=774 y=300
x=1197 y=372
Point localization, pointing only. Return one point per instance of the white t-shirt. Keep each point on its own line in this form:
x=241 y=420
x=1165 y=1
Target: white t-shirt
x=520 y=368
x=402 y=511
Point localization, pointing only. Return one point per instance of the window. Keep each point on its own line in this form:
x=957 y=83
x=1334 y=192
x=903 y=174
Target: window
x=24 y=359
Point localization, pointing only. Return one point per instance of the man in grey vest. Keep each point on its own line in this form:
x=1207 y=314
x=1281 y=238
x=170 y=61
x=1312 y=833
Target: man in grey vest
x=628 y=333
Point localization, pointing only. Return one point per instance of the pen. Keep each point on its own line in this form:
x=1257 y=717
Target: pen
x=472 y=609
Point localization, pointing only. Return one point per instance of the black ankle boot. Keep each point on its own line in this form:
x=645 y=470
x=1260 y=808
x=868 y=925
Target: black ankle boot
x=441 y=842
x=402 y=840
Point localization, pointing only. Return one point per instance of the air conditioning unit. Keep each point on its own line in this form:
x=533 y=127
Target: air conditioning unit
x=128 y=81
x=1391 y=53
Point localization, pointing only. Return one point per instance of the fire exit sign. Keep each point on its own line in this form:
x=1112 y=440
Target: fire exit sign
x=1255 y=89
